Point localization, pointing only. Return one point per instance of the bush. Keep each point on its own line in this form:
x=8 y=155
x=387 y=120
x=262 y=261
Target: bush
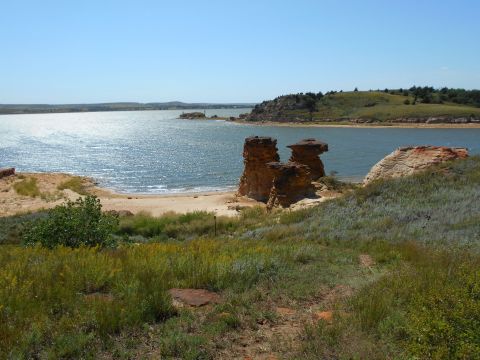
x=74 y=224
x=406 y=102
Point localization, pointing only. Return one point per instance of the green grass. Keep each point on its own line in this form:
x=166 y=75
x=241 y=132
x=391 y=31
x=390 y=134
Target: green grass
x=381 y=106
x=27 y=187
x=420 y=300
x=76 y=184
x=80 y=296
x=144 y=227
x=426 y=308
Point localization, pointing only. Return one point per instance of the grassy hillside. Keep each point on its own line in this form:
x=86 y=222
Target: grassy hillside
x=360 y=106
x=396 y=263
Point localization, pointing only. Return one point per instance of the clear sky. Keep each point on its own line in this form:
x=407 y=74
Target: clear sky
x=231 y=51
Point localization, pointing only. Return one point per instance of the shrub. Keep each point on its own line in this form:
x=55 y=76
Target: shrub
x=73 y=224
x=406 y=102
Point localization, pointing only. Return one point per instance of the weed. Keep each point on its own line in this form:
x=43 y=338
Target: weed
x=27 y=187
x=76 y=184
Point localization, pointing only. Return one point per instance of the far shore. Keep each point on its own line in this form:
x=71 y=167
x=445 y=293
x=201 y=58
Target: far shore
x=375 y=125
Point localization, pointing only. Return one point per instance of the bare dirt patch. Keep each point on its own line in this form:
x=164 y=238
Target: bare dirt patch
x=275 y=340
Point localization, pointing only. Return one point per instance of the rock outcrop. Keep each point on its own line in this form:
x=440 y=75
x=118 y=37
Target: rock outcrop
x=192 y=115
x=257 y=177
x=7 y=172
x=291 y=183
x=307 y=152
x=410 y=160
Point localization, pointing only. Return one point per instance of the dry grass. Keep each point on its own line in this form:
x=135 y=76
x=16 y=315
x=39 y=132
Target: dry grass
x=76 y=184
x=27 y=187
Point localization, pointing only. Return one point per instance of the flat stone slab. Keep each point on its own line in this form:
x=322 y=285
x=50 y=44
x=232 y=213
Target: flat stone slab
x=310 y=144
x=195 y=297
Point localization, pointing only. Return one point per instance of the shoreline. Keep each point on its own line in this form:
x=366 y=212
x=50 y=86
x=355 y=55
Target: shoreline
x=363 y=125
x=49 y=195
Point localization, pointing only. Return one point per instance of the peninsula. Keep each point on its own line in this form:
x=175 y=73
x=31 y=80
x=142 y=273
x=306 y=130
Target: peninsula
x=417 y=105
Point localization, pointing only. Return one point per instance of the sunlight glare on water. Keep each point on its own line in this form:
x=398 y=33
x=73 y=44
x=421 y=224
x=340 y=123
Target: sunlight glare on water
x=154 y=152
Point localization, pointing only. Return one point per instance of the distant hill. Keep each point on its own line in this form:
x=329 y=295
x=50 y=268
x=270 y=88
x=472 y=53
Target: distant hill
x=411 y=105
x=119 y=106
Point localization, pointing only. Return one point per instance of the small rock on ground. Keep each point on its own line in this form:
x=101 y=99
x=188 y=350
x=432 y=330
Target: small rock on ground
x=195 y=297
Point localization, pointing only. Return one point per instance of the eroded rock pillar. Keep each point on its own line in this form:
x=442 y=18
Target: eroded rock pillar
x=307 y=152
x=291 y=182
x=257 y=177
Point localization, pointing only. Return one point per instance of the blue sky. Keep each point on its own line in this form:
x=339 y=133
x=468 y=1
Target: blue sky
x=231 y=51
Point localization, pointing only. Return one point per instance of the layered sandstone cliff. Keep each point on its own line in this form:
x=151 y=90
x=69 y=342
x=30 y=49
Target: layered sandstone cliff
x=410 y=160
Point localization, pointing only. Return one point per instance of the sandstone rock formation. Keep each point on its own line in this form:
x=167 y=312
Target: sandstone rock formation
x=307 y=152
x=409 y=160
x=257 y=177
x=291 y=183
x=7 y=172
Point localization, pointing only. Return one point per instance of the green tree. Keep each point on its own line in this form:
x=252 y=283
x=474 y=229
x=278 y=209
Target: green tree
x=311 y=106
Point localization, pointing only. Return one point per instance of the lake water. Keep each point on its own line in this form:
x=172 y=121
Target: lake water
x=154 y=152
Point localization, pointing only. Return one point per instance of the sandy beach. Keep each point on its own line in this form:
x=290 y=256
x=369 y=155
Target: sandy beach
x=11 y=203
x=223 y=203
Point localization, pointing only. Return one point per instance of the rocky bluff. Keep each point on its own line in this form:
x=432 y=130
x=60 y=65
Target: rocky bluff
x=266 y=179
x=412 y=159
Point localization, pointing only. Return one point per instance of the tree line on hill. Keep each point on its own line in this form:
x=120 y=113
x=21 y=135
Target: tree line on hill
x=430 y=95
x=425 y=95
